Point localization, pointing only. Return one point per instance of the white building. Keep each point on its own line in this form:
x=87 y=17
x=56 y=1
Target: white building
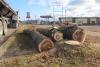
x=83 y=20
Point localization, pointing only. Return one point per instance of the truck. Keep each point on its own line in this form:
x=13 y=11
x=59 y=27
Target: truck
x=8 y=17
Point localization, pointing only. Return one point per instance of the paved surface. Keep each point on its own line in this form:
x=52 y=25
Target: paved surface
x=93 y=33
x=95 y=28
x=92 y=30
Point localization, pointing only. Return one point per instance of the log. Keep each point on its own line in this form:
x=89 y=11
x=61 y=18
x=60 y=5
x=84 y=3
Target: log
x=53 y=34
x=79 y=35
x=68 y=31
x=43 y=31
x=40 y=42
x=24 y=27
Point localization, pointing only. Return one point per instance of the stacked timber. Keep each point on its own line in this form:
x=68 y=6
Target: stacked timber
x=68 y=31
x=53 y=34
x=40 y=42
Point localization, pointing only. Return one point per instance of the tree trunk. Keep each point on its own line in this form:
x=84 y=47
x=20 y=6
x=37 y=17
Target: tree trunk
x=53 y=34
x=40 y=42
x=68 y=31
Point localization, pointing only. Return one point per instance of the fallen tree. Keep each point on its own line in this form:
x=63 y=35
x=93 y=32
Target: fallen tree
x=40 y=42
x=54 y=34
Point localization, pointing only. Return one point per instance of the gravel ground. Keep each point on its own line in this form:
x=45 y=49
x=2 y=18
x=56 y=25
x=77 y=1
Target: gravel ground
x=4 y=38
x=91 y=28
x=93 y=33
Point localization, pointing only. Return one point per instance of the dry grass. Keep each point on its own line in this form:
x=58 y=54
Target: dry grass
x=67 y=56
x=6 y=45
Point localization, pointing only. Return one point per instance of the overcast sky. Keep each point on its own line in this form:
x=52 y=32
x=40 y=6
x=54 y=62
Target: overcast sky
x=79 y=8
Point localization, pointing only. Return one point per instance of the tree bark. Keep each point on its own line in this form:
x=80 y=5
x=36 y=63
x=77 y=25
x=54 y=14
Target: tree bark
x=40 y=42
x=68 y=31
x=53 y=34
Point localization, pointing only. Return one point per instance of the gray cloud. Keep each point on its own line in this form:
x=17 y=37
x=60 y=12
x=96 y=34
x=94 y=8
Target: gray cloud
x=76 y=2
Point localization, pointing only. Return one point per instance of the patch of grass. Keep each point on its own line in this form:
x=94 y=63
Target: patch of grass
x=86 y=55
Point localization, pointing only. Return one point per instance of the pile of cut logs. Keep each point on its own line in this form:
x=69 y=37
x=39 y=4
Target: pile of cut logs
x=43 y=39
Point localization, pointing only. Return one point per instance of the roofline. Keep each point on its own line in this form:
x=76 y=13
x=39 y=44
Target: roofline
x=8 y=6
x=77 y=17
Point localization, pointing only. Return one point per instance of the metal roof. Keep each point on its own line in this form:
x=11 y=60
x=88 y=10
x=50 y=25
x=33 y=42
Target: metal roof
x=47 y=16
x=77 y=17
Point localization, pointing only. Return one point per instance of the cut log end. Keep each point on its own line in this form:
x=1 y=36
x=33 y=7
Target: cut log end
x=58 y=36
x=53 y=34
x=79 y=35
x=45 y=45
x=40 y=42
x=68 y=31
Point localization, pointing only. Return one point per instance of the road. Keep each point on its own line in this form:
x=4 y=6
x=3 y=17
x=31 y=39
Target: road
x=94 y=28
x=93 y=33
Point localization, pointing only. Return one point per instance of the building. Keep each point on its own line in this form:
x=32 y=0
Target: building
x=8 y=18
x=81 y=20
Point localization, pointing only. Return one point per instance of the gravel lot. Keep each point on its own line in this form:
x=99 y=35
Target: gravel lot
x=93 y=33
x=4 y=38
x=95 y=28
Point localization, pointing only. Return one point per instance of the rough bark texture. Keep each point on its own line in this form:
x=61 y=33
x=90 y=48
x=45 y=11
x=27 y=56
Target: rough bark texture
x=54 y=34
x=40 y=42
x=68 y=31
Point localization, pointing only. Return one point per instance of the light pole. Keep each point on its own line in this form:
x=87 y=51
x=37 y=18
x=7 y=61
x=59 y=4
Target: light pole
x=53 y=12
x=62 y=9
x=65 y=13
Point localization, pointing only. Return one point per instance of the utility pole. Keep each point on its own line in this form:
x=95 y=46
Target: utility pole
x=65 y=15
x=53 y=12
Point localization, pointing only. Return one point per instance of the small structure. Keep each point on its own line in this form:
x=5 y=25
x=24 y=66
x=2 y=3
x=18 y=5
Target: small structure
x=8 y=17
x=47 y=18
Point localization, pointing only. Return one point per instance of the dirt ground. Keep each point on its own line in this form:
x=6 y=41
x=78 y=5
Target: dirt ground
x=5 y=37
